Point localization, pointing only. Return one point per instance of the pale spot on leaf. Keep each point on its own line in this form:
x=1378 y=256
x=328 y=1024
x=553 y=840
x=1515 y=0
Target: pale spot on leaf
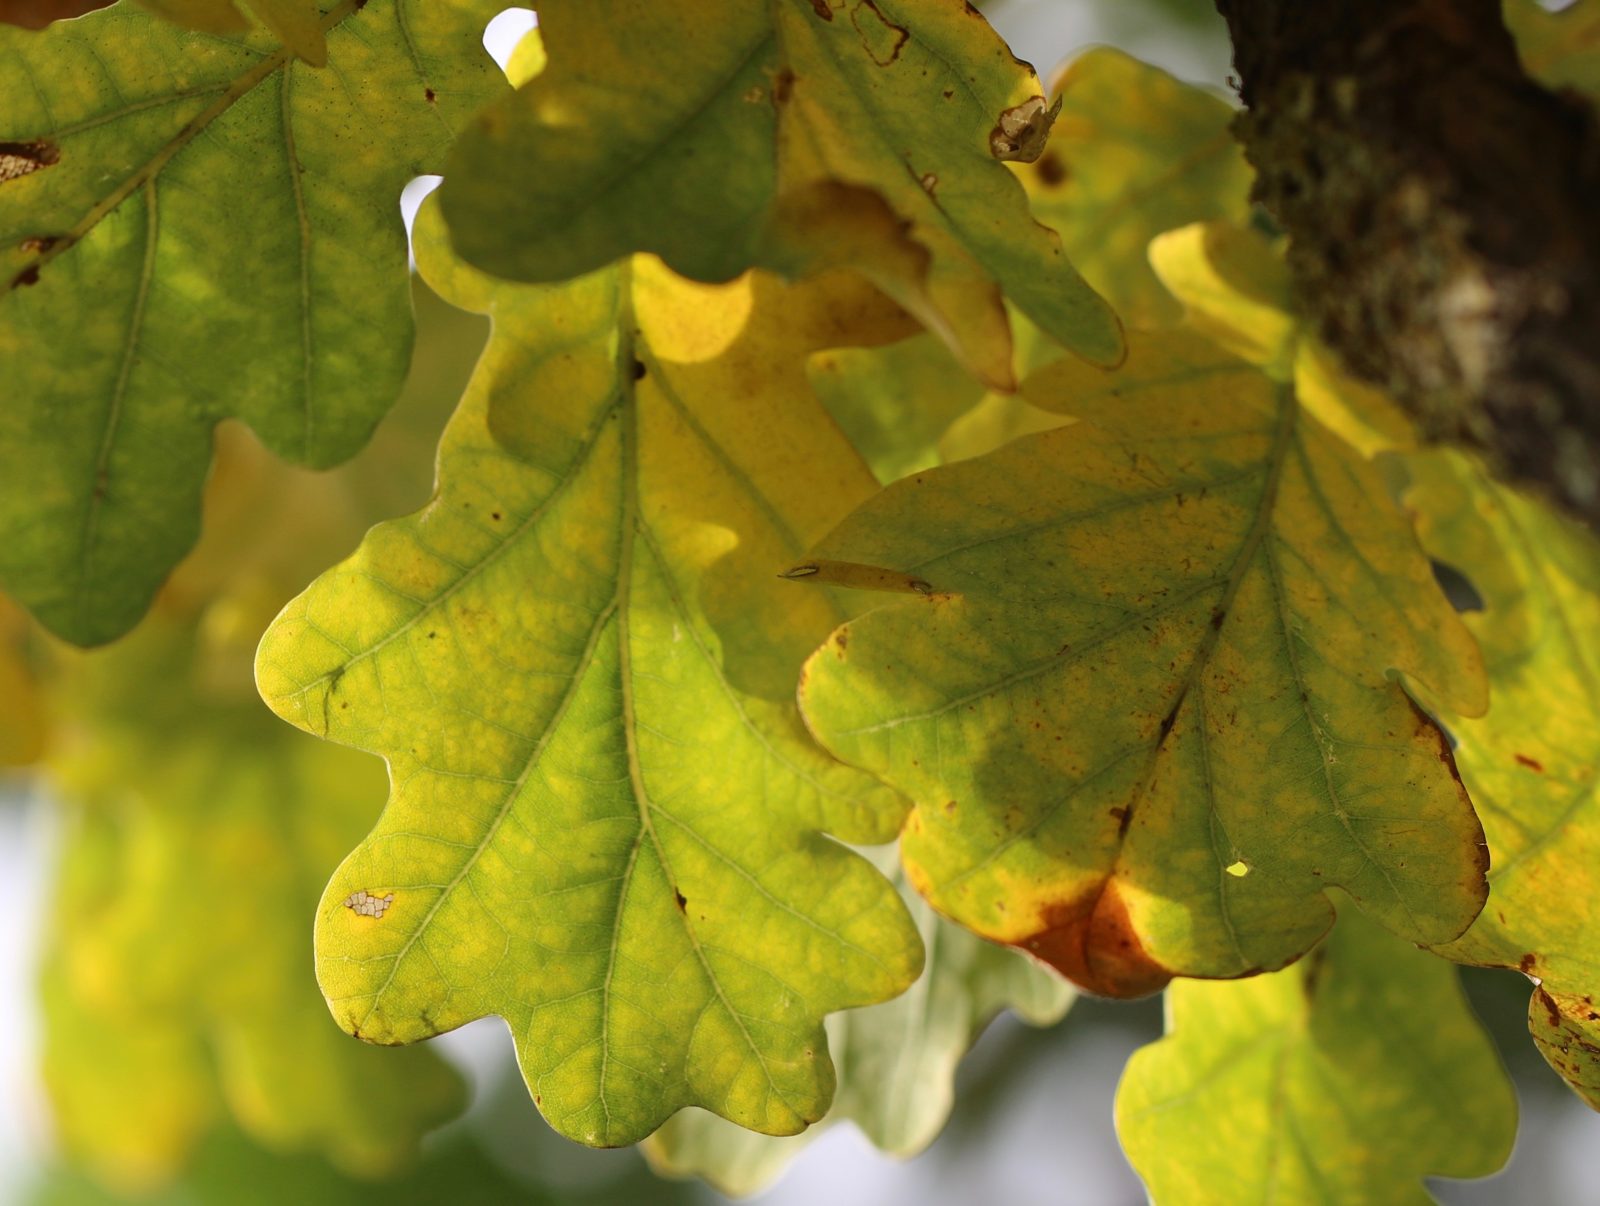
x=365 y=904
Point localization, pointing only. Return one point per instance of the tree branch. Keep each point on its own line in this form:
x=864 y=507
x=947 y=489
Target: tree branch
x=1444 y=214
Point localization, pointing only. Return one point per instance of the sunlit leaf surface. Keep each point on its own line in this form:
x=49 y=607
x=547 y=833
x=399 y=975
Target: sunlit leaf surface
x=1533 y=763
x=606 y=820
x=1144 y=697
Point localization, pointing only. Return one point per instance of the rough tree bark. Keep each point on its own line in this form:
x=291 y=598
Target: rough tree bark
x=1444 y=215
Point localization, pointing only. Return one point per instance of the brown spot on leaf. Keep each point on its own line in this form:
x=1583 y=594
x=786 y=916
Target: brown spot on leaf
x=1550 y=1007
x=821 y=8
x=683 y=901
x=1528 y=963
x=28 y=276
x=1092 y=942
x=38 y=244
x=18 y=159
x=1021 y=131
x=1051 y=170
x=1532 y=764
x=1477 y=878
x=639 y=370
x=783 y=86
x=430 y=94
x=882 y=38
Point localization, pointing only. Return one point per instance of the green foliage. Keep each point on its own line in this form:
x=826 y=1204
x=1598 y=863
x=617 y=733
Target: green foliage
x=1533 y=763
x=795 y=135
x=1133 y=153
x=898 y=1059
x=804 y=494
x=1201 y=549
x=199 y=829
x=577 y=650
x=129 y=326
x=1346 y=1078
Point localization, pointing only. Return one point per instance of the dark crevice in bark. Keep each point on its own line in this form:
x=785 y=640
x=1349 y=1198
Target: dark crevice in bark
x=1444 y=214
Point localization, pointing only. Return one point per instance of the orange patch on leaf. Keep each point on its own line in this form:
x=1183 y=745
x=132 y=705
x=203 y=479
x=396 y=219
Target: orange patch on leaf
x=1093 y=943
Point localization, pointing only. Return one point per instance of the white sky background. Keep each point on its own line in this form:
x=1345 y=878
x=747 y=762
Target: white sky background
x=1049 y=1141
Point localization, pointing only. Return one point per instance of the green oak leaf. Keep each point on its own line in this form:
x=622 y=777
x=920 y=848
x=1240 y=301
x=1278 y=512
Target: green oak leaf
x=1133 y=153
x=1143 y=688
x=200 y=830
x=795 y=135
x=605 y=823
x=1346 y=1078
x=1533 y=763
x=896 y=1061
x=139 y=308
x=95 y=1065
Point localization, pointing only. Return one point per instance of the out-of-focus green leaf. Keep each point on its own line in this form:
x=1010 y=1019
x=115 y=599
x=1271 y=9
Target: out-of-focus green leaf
x=1561 y=48
x=137 y=307
x=22 y=719
x=198 y=831
x=798 y=135
x=230 y=1170
x=896 y=1061
x=1533 y=763
x=1134 y=152
x=203 y=833
x=1346 y=1078
x=606 y=819
x=129 y=1099
x=1142 y=686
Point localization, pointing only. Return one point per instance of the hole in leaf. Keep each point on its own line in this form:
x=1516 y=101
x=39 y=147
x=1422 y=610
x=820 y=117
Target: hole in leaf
x=505 y=30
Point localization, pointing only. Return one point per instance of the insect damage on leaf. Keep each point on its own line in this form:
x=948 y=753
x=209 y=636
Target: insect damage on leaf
x=364 y=904
x=1023 y=130
x=18 y=159
x=882 y=38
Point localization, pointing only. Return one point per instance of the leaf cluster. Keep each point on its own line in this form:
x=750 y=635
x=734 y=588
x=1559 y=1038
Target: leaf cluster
x=871 y=445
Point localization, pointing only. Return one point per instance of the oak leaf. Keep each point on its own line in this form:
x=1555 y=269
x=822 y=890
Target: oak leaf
x=1146 y=697
x=606 y=823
